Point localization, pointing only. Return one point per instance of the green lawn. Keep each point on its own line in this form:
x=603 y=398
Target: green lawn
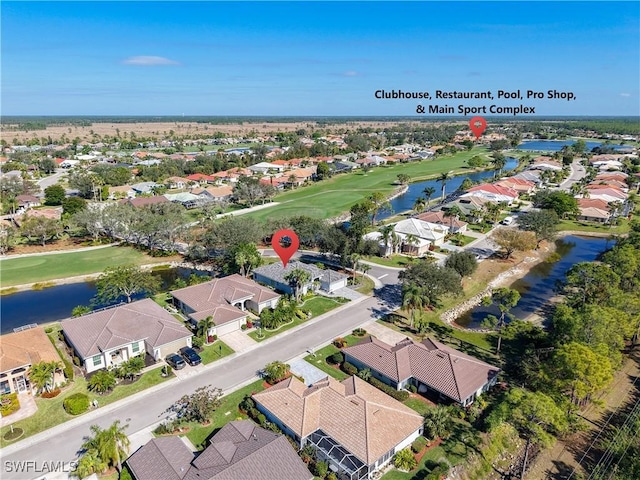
x=462 y=240
x=227 y=412
x=50 y=412
x=215 y=351
x=398 y=261
x=366 y=286
x=318 y=359
x=18 y=271
x=331 y=197
x=581 y=226
x=418 y=405
x=316 y=305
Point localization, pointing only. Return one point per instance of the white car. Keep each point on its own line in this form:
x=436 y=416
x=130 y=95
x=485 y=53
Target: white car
x=508 y=221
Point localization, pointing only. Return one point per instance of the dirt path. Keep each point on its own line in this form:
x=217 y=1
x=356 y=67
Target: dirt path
x=558 y=462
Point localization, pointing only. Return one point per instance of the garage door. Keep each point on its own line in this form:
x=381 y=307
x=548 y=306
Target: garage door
x=172 y=347
x=228 y=327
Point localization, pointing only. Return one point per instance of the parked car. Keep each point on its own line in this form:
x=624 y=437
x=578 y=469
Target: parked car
x=508 y=221
x=191 y=356
x=175 y=361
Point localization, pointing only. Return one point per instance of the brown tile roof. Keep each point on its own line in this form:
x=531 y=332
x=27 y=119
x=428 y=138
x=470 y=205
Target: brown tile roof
x=443 y=368
x=439 y=218
x=216 y=297
x=366 y=421
x=144 y=201
x=593 y=203
x=240 y=450
x=121 y=325
x=25 y=348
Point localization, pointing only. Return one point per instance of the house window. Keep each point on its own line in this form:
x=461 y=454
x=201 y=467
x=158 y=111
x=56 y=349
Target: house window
x=135 y=347
x=97 y=360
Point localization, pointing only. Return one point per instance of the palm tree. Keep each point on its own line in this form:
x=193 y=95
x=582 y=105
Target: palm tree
x=364 y=268
x=387 y=237
x=354 y=260
x=428 y=193
x=111 y=444
x=442 y=179
x=412 y=241
x=89 y=464
x=247 y=257
x=204 y=326
x=412 y=300
x=438 y=422
x=42 y=375
x=498 y=161
x=419 y=204
x=296 y=279
x=453 y=213
x=379 y=203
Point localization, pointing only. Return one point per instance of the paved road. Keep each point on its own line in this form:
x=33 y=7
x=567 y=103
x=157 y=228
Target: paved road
x=62 y=442
x=52 y=179
x=577 y=172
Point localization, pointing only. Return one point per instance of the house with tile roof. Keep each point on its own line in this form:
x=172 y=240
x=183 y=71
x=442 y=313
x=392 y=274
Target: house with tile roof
x=492 y=192
x=438 y=217
x=225 y=300
x=113 y=335
x=430 y=365
x=354 y=426
x=239 y=450
x=426 y=233
x=19 y=351
x=274 y=273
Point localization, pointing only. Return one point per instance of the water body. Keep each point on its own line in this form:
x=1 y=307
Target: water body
x=405 y=201
x=55 y=303
x=539 y=285
x=556 y=145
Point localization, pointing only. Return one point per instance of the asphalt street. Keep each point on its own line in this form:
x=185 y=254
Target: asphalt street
x=62 y=442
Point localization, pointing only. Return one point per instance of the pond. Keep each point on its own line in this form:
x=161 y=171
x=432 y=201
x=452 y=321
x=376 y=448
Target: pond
x=556 y=145
x=56 y=303
x=405 y=201
x=539 y=285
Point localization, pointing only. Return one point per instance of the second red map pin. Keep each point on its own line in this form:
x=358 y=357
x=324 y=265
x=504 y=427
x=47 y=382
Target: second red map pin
x=478 y=126
x=285 y=243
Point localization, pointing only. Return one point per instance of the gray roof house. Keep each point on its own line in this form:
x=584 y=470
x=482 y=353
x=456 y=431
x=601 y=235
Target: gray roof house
x=273 y=275
x=113 y=335
x=430 y=366
x=240 y=450
x=225 y=301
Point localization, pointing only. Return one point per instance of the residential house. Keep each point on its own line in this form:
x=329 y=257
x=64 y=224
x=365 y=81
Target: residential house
x=438 y=217
x=214 y=194
x=529 y=175
x=123 y=191
x=239 y=450
x=608 y=194
x=54 y=213
x=520 y=185
x=113 y=335
x=19 y=351
x=186 y=199
x=200 y=178
x=426 y=233
x=545 y=163
x=28 y=201
x=266 y=167
x=140 y=202
x=275 y=273
x=225 y=300
x=492 y=192
x=430 y=366
x=354 y=426
x=177 y=182
x=145 y=187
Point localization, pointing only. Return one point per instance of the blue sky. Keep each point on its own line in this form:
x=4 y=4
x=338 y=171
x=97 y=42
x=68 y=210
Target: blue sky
x=265 y=58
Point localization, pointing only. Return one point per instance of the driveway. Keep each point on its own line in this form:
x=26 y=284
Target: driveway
x=383 y=333
x=307 y=371
x=189 y=371
x=239 y=341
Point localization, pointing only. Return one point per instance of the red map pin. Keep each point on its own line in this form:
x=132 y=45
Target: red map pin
x=291 y=241
x=478 y=126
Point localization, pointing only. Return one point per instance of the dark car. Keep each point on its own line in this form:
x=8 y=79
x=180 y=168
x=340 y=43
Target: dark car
x=175 y=361
x=190 y=355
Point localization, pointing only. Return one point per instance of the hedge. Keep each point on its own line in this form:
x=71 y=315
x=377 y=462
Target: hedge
x=336 y=359
x=349 y=368
x=418 y=444
x=68 y=366
x=400 y=395
x=76 y=404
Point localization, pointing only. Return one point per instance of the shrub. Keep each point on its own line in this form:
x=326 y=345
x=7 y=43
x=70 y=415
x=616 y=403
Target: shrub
x=359 y=332
x=349 y=368
x=247 y=404
x=213 y=338
x=418 y=444
x=320 y=469
x=261 y=419
x=336 y=359
x=51 y=394
x=400 y=395
x=8 y=404
x=197 y=341
x=48 y=330
x=76 y=361
x=331 y=476
x=412 y=388
x=249 y=324
x=404 y=460
x=102 y=381
x=340 y=342
x=243 y=327
x=76 y=404
x=441 y=471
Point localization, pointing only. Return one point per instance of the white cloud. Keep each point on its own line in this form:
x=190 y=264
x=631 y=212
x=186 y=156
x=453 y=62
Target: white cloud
x=351 y=73
x=149 y=61
x=625 y=94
